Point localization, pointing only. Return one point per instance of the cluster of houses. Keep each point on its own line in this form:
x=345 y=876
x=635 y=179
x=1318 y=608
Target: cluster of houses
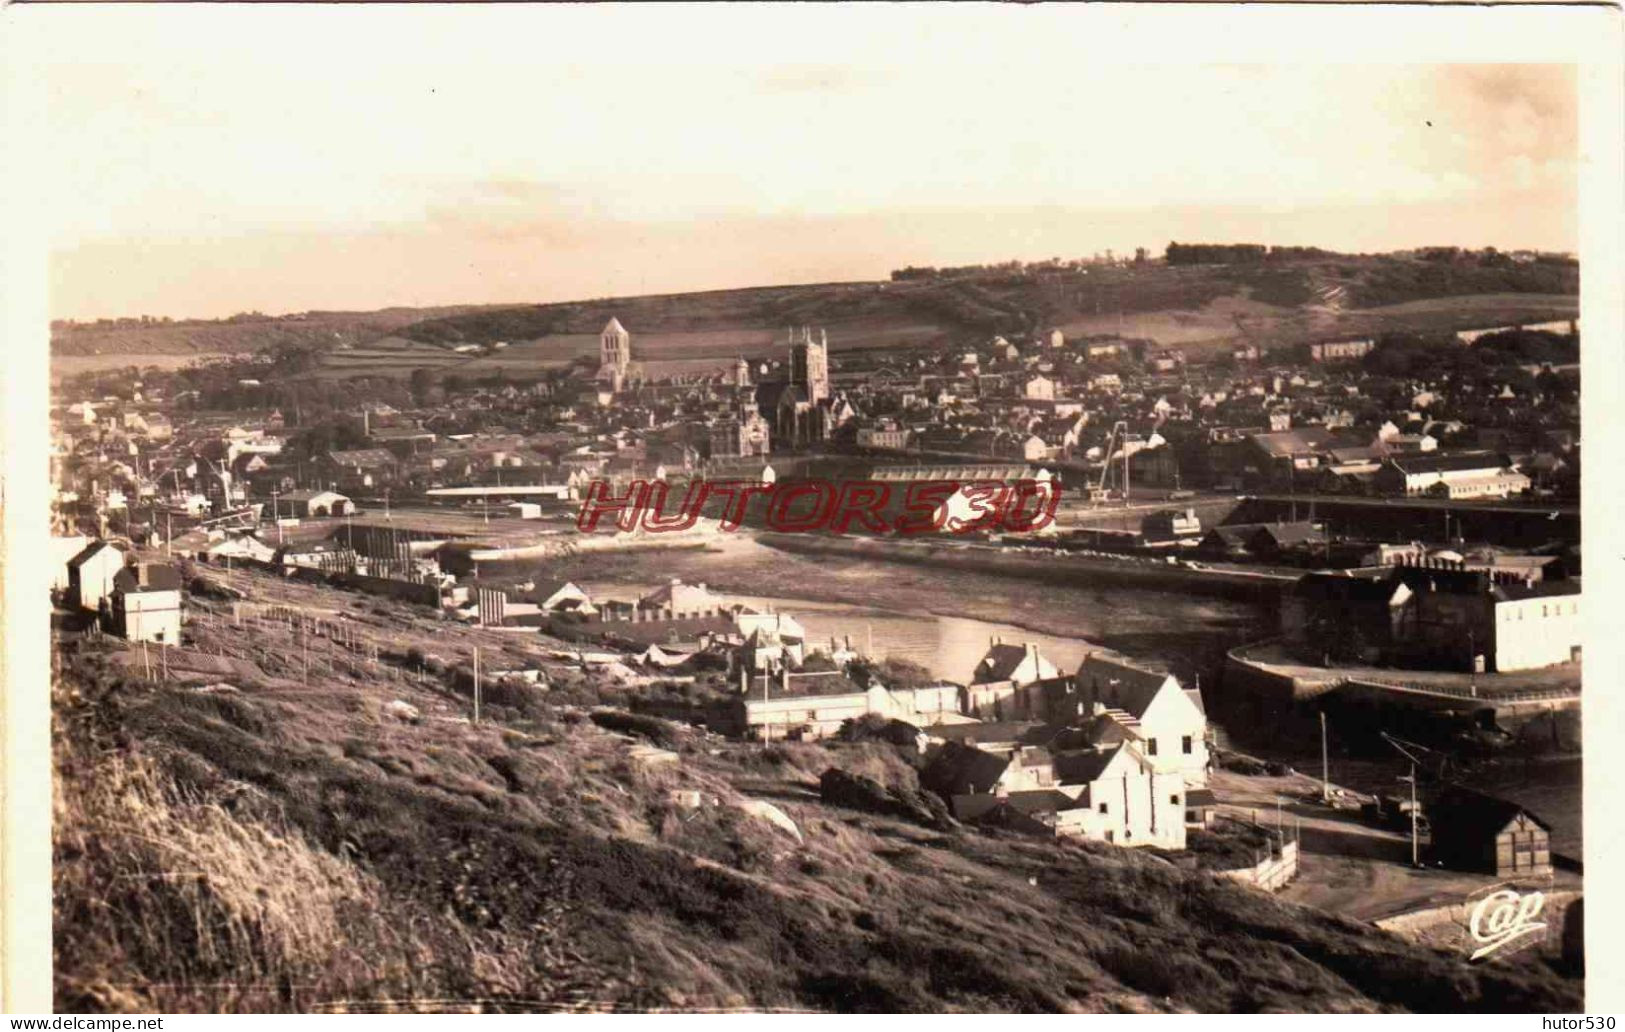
x=1115 y=753
x=1111 y=751
x=1182 y=416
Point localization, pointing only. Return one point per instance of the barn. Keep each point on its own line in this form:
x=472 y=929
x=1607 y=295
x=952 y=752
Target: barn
x=1476 y=832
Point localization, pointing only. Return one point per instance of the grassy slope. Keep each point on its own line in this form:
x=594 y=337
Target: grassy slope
x=1005 y=302
x=1199 y=307
x=298 y=848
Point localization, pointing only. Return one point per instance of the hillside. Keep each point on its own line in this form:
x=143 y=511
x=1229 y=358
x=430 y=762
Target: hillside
x=1259 y=301
x=90 y=347
x=292 y=847
x=1193 y=306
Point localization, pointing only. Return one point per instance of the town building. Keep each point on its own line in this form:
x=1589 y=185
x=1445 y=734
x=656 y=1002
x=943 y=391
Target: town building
x=313 y=504
x=1435 y=615
x=146 y=603
x=91 y=575
x=1450 y=475
x=1342 y=350
x=63 y=552
x=1006 y=681
x=741 y=434
x=1124 y=796
x=806 y=706
x=1168 y=718
x=1171 y=525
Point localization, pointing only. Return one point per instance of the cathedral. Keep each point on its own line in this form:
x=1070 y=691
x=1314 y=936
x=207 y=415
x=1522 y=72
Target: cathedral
x=801 y=409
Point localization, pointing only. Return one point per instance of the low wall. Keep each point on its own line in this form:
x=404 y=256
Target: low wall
x=1445 y=927
x=1271 y=874
x=405 y=591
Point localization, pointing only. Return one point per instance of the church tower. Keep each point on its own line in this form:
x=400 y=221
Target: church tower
x=809 y=364
x=615 y=353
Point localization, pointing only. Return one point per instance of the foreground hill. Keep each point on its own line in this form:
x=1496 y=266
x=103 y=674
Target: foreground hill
x=294 y=844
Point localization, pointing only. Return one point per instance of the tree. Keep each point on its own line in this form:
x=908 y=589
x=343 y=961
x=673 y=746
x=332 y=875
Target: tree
x=1139 y=256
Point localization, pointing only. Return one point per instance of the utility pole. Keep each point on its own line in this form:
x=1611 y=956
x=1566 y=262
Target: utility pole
x=1325 y=763
x=1125 y=464
x=1416 y=859
x=1472 y=663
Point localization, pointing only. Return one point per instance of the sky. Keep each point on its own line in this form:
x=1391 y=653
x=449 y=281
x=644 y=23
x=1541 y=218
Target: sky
x=281 y=160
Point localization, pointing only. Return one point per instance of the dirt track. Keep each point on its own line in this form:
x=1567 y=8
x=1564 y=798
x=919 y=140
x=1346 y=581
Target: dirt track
x=1347 y=866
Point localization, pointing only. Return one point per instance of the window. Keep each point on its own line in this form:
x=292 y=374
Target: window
x=1151 y=747
x=1185 y=744
x=1174 y=799
x=1127 y=834
x=1110 y=837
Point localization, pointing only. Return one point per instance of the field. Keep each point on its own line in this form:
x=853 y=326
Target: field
x=331 y=832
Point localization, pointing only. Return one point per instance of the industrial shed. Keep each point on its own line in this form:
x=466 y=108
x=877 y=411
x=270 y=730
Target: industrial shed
x=1477 y=832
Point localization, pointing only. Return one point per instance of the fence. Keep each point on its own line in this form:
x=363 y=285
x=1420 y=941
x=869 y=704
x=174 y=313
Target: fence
x=1488 y=695
x=1272 y=872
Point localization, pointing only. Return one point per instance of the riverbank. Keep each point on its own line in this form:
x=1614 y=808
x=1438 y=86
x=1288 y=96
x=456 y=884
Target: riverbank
x=1052 y=566
x=1187 y=633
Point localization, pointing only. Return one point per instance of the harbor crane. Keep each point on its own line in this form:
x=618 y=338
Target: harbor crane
x=1118 y=439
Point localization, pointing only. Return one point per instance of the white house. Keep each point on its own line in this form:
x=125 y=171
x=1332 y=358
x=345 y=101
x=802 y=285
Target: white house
x=1169 y=718
x=1004 y=683
x=91 y=573
x=1038 y=388
x=1123 y=796
x=815 y=705
x=146 y=603
x=1113 y=793
x=63 y=551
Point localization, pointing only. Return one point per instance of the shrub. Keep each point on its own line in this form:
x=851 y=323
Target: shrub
x=661 y=732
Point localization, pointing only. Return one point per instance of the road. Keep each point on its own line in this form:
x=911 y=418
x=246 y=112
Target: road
x=1347 y=867
x=1520 y=508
